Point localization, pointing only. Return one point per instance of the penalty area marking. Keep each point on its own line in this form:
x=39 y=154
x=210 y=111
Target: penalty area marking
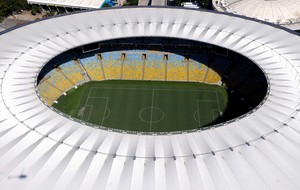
x=197 y=112
x=103 y=117
x=197 y=120
x=105 y=108
x=108 y=111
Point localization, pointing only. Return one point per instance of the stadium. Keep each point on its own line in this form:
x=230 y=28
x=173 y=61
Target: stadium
x=284 y=12
x=113 y=58
x=180 y=68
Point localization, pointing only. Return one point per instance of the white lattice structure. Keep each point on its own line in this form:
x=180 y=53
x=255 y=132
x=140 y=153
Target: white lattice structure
x=283 y=12
x=259 y=150
x=83 y=4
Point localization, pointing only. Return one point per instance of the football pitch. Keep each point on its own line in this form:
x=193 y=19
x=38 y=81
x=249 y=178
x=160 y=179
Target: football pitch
x=145 y=106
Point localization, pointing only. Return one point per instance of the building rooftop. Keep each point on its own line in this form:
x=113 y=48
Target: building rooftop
x=86 y=4
x=282 y=12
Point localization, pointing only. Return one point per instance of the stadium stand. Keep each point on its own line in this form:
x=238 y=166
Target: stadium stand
x=112 y=62
x=125 y=64
x=48 y=92
x=73 y=72
x=154 y=67
x=59 y=80
x=133 y=66
x=93 y=68
x=196 y=71
x=212 y=76
x=177 y=68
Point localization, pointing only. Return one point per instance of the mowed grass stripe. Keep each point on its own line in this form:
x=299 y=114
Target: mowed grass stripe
x=173 y=107
x=119 y=103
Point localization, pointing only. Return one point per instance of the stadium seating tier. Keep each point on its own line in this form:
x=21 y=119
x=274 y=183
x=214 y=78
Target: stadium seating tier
x=126 y=65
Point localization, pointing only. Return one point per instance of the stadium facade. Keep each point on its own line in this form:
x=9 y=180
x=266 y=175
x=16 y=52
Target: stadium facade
x=41 y=149
x=283 y=12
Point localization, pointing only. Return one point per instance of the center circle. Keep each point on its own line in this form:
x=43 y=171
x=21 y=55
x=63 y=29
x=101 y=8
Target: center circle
x=151 y=115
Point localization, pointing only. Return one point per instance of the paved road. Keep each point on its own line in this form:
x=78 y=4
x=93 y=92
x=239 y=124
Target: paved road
x=9 y=23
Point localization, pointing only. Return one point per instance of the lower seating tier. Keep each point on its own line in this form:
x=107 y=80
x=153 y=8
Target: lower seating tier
x=137 y=65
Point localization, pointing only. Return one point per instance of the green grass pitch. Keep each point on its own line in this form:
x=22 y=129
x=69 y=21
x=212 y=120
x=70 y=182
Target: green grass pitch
x=145 y=106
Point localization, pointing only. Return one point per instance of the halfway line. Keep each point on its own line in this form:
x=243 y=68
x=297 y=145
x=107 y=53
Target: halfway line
x=151 y=110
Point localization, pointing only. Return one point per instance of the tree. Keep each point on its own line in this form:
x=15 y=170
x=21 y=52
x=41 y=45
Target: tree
x=205 y=4
x=35 y=10
x=106 y=5
x=8 y=7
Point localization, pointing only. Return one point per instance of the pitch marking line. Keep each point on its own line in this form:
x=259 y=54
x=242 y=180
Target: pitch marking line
x=105 y=108
x=83 y=111
x=218 y=100
x=107 y=99
x=108 y=110
x=159 y=89
x=141 y=118
x=90 y=113
x=213 y=113
x=195 y=113
x=86 y=101
x=151 y=110
x=89 y=97
x=99 y=97
x=207 y=100
x=91 y=106
x=198 y=113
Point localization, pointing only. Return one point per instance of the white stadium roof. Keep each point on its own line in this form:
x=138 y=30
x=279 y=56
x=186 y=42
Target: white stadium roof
x=260 y=150
x=283 y=12
x=87 y=4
